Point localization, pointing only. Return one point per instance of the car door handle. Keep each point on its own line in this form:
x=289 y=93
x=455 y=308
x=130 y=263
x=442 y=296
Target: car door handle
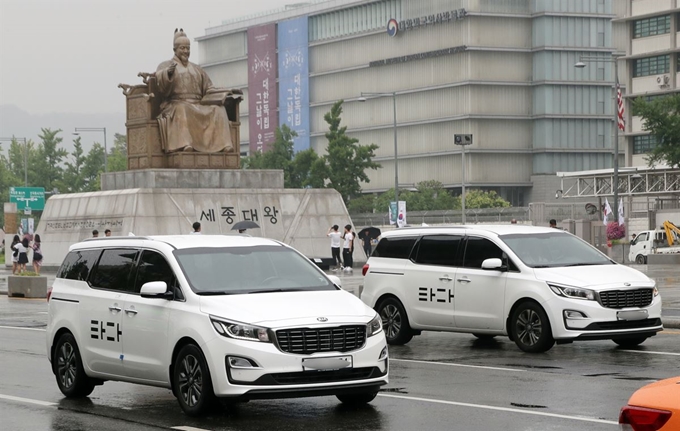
x=131 y=311
x=463 y=280
x=114 y=308
x=445 y=278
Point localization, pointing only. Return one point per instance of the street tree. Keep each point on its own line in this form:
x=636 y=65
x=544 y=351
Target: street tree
x=476 y=198
x=346 y=161
x=661 y=117
x=93 y=166
x=47 y=162
x=73 y=180
x=117 y=157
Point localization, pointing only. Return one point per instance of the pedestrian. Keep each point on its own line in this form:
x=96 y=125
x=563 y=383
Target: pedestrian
x=633 y=237
x=347 y=248
x=37 y=254
x=107 y=232
x=336 y=239
x=95 y=233
x=197 y=228
x=513 y=221
x=366 y=243
x=22 y=247
x=241 y=231
x=15 y=254
x=553 y=223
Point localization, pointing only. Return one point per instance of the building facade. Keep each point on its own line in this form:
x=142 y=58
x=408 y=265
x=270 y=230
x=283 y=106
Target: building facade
x=502 y=71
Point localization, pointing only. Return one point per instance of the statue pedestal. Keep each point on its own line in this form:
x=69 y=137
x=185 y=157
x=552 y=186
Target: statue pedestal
x=194 y=178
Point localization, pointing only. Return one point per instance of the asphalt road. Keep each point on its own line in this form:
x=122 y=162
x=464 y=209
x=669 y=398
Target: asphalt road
x=439 y=381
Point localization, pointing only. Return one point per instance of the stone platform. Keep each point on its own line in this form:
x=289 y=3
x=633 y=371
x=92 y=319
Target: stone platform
x=193 y=179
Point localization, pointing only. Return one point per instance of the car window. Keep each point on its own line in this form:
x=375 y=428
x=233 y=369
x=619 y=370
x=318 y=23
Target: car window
x=439 y=250
x=642 y=237
x=78 y=264
x=113 y=270
x=477 y=250
x=254 y=269
x=153 y=267
x=554 y=249
x=396 y=248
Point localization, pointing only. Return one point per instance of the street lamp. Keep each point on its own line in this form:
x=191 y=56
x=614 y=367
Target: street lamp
x=95 y=129
x=396 y=163
x=25 y=156
x=582 y=64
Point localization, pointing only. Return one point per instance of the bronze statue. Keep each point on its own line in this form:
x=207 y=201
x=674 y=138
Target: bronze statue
x=193 y=116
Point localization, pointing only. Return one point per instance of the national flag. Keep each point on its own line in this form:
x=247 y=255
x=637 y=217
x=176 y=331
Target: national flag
x=607 y=211
x=621 y=220
x=619 y=102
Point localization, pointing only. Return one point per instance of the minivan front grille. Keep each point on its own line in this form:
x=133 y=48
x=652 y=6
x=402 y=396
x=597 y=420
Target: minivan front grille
x=626 y=298
x=312 y=340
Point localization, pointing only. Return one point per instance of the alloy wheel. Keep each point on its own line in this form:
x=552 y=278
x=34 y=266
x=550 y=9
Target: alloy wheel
x=191 y=380
x=529 y=327
x=66 y=365
x=391 y=319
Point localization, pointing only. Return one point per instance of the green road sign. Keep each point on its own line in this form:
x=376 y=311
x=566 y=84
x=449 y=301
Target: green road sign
x=32 y=198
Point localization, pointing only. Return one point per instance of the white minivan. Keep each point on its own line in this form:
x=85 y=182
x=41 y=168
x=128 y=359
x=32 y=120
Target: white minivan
x=536 y=285
x=210 y=317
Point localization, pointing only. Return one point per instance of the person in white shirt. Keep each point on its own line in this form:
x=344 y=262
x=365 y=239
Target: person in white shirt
x=348 y=247
x=336 y=238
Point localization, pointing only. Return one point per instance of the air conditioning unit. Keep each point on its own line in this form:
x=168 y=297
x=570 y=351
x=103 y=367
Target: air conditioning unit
x=663 y=80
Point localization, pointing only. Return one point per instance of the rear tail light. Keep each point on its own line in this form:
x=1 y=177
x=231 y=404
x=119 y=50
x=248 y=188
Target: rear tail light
x=642 y=419
x=364 y=270
x=49 y=293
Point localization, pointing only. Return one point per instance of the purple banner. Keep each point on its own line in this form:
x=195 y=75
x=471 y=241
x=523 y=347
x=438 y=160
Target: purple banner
x=262 y=92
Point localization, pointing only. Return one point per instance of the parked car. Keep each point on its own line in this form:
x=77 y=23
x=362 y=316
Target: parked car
x=208 y=316
x=535 y=285
x=654 y=407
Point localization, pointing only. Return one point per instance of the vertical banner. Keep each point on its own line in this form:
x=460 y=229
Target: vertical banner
x=262 y=94
x=294 y=79
x=397 y=214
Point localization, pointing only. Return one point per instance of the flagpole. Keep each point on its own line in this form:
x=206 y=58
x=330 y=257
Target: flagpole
x=616 y=136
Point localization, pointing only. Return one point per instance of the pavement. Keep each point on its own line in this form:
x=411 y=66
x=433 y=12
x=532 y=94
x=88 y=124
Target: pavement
x=667 y=279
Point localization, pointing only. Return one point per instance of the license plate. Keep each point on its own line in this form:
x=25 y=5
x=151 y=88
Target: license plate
x=329 y=363
x=632 y=315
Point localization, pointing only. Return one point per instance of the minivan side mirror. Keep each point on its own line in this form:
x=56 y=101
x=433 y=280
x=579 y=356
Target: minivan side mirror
x=155 y=289
x=494 y=264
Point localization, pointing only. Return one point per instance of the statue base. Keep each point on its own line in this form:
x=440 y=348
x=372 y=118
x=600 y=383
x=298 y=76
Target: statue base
x=193 y=179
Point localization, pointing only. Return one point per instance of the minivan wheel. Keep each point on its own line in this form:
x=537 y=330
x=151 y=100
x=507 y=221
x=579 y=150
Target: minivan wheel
x=627 y=343
x=640 y=259
x=357 y=399
x=395 y=322
x=68 y=368
x=531 y=328
x=191 y=382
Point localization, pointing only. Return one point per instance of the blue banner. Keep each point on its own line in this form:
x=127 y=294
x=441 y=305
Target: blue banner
x=294 y=79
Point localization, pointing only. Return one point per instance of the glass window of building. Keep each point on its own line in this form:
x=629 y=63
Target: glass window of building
x=652 y=26
x=651 y=65
x=643 y=144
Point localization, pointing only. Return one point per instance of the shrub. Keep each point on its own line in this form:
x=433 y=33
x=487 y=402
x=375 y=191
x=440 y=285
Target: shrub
x=615 y=231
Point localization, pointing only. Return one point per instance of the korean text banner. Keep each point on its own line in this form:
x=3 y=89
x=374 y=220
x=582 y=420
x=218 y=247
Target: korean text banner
x=262 y=95
x=294 y=79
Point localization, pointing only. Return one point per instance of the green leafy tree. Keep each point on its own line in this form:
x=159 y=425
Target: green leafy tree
x=93 y=166
x=74 y=180
x=661 y=117
x=476 y=198
x=19 y=164
x=363 y=204
x=46 y=163
x=117 y=157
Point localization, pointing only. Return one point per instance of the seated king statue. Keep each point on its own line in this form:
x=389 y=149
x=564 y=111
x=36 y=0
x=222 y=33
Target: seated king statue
x=190 y=118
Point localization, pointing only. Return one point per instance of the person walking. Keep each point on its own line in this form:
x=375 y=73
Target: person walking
x=336 y=239
x=107 y=232
x=37 y=254
x=95 y=233
x=553 y=223
x=15 y=254
x=197 y=228
x=366 y=244
x=347 y=248
x=22 y=247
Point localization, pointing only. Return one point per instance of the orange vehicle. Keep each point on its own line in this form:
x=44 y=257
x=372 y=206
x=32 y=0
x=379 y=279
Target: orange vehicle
x=655 y=407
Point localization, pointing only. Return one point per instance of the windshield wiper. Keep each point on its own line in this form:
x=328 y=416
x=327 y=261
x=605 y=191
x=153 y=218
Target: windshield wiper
x=214 y=292
x=586 y=264
x=542 y=266
x=275 y=290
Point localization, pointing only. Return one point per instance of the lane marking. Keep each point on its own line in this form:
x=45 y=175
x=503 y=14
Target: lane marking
x=27 y=400
x=502 y=409
x=652 y=353
x=183 y=428
x=22 y=328
x=458 y=365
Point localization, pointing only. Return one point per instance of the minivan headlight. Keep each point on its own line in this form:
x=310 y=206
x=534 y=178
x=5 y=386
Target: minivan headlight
x=573 y=292
x=656 y=291
x=374 y=326
x=240 y=331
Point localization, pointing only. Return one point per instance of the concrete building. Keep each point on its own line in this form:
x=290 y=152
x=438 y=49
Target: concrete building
x=653 y=63
x=502 y=71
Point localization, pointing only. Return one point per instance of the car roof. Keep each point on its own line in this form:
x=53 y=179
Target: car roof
x=177 y=241
x=499 y=229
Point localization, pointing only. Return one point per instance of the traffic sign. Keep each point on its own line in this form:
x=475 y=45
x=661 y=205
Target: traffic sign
x=32 y=198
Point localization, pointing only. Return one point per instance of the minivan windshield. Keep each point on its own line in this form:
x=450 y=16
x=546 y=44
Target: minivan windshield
x=255 y=269
x=554 y=249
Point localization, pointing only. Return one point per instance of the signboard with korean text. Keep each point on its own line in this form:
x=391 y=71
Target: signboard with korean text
x=293 y=44
x=32 y=198
x=262 y=95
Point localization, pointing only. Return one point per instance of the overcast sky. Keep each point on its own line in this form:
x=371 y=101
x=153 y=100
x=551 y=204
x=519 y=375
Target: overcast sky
x=68 y=56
